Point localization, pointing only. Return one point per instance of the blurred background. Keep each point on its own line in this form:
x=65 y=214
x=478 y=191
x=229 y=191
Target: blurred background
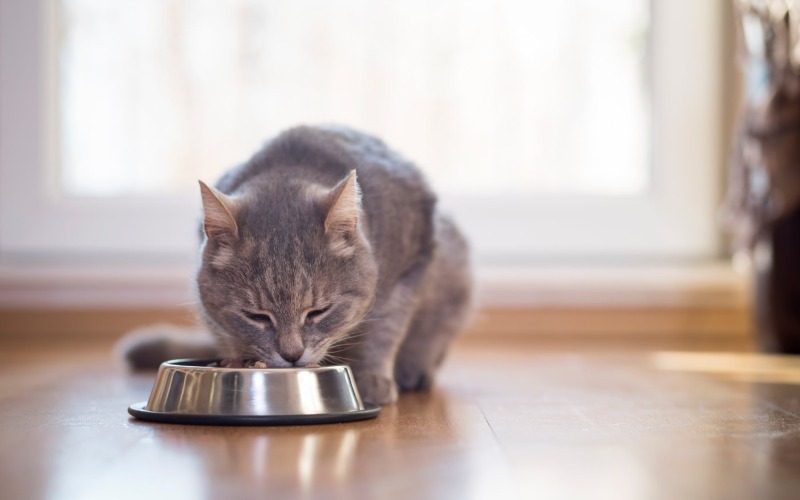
x=582 y=145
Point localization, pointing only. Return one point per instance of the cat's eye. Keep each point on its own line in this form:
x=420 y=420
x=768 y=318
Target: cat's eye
x=315 y=314
x=261 y=318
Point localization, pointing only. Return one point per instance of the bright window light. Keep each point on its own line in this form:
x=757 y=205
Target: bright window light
x=488 y=97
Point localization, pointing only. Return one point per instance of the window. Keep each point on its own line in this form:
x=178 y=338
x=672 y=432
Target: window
x=550 y=129
x=491 y=97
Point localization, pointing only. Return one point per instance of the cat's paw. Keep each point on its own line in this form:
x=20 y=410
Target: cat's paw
x=376 y=388
x=412 y=375
x=414 y=380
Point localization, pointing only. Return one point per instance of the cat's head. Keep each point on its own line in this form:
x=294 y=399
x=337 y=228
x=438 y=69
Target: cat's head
x=286 y=269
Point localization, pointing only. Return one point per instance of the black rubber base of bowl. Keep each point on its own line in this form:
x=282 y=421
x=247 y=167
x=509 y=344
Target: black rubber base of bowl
x=139 y=411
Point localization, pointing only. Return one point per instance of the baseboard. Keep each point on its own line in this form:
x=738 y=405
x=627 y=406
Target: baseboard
x=147 y=287
x=730 y=322
x=684 y=322
x=78 y=325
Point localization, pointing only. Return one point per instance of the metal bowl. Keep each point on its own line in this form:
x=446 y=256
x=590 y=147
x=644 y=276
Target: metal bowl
x=188 y=391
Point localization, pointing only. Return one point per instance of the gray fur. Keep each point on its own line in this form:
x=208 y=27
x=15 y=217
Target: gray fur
x=398 y=292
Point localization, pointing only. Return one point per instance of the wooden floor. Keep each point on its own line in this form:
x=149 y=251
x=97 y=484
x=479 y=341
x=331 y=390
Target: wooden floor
x=516 y=421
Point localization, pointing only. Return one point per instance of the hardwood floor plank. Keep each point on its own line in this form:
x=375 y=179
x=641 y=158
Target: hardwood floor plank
x=569 y=420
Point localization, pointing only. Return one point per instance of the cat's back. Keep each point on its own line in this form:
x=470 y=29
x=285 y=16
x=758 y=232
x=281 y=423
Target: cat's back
x=398 y=203
x=328 y=152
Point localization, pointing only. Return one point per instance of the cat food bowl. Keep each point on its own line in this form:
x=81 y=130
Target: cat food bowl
x=188 y=391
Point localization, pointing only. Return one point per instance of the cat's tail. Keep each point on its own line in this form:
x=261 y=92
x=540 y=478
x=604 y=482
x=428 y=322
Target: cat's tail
x=146 y=348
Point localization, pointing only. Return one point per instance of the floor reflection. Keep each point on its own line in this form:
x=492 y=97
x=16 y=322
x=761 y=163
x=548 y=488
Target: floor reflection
x=278 y=461
x=590 y=426
x=744 y=367
x=337 y=460
x=779 y=451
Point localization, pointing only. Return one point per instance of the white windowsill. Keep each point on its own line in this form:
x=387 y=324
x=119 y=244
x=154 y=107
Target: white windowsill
x=707 y=284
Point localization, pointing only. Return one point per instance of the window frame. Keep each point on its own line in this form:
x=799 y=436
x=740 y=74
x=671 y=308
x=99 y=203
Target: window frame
x=674 y=219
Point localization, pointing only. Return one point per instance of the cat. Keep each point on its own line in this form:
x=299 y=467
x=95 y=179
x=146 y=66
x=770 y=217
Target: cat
x=327 y=247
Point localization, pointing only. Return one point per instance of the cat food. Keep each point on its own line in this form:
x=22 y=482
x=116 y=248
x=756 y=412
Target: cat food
x=246 y=363
x=238 y=363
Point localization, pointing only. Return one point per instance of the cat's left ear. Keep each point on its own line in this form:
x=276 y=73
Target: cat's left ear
x=343 y=205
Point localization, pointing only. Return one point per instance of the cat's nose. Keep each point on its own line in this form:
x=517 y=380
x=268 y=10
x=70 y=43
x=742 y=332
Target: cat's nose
x=291 y=355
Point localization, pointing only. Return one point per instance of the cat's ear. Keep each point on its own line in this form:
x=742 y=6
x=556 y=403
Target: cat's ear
x=343 y=204
x=218 y=209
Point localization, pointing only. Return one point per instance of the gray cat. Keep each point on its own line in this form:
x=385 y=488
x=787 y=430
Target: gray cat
x=327 y=247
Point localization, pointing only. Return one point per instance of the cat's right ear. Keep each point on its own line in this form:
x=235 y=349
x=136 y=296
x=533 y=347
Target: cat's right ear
x=219 y=223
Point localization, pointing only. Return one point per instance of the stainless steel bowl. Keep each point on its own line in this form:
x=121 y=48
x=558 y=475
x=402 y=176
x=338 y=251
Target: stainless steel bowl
x=188 y=391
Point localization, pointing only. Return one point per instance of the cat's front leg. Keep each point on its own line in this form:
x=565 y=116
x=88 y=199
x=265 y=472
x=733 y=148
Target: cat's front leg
x=375 y=386
x=376 y=341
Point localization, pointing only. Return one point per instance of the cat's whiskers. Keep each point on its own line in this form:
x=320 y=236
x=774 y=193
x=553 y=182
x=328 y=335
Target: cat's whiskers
x=258 y=355
x=333 y=347
x=241 y=350
x=338 y=349
x=348 y=341
x=334 y=359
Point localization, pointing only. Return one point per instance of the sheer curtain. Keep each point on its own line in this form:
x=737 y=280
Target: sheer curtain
x=488 y=97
